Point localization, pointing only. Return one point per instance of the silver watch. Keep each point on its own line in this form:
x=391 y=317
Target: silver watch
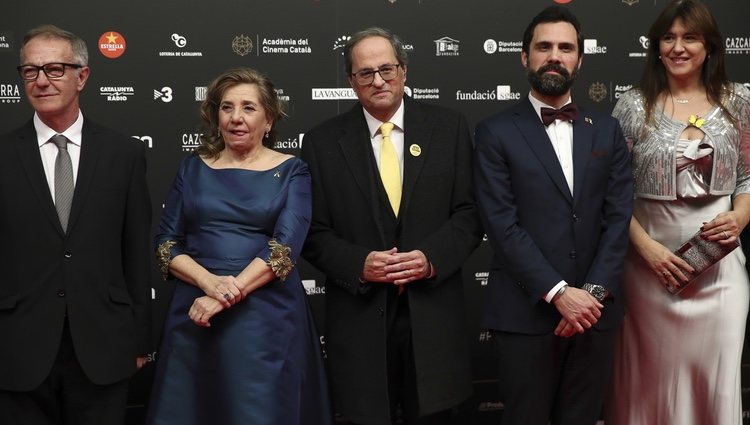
x=598 y=291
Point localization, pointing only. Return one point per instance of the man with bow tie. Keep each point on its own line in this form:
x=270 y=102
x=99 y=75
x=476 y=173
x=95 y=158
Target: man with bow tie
x=554 y=190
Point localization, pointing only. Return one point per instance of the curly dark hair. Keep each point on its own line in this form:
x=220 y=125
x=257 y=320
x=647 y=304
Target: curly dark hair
x=211 y=141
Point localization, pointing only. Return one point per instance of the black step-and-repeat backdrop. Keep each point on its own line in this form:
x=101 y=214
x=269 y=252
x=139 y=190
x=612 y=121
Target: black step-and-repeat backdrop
x=152 y=59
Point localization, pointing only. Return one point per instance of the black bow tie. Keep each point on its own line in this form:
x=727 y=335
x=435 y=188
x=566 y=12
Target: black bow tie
x=568 y=112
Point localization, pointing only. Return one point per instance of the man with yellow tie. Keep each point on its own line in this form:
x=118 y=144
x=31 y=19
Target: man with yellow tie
x=393 y=221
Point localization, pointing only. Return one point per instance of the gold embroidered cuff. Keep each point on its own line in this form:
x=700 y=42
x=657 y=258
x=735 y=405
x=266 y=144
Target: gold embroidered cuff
x=279 y=260
x=164 y=257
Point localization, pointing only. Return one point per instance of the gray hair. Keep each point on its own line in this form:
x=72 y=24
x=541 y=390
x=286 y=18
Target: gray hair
x=398 y=47
x=77 y=45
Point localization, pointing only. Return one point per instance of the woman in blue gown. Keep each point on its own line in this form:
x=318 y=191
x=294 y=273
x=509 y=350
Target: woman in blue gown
x=239 y=343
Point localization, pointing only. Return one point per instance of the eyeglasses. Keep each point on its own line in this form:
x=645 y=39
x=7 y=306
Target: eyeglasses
x=51 y=70
x=386 y=72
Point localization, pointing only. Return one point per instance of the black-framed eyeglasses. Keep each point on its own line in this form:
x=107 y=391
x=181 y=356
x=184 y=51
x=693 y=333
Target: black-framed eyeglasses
x=51 y=70
x=386 y=72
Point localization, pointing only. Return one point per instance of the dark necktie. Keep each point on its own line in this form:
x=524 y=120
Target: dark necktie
x=568 y=112
x=64 y=185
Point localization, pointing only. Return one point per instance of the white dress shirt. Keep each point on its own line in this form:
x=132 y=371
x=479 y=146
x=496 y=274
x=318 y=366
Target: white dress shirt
x=561 y=136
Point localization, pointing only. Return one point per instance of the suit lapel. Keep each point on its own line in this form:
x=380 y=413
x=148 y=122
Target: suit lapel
x=31 y=160
x=536 y=137
x=583 y=139
x=357 y=150
x=90 y=151
x=417 y=133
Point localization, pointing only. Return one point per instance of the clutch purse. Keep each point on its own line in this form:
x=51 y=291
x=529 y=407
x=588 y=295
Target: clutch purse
x=701 y=255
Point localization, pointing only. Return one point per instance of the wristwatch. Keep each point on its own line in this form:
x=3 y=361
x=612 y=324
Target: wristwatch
x=597 y=291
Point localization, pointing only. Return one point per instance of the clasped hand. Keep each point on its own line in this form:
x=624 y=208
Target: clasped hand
x=579 y=310
x=395 y=267
x=203 y=309
x=222 y=292
x=672 y=270
x=224 y=289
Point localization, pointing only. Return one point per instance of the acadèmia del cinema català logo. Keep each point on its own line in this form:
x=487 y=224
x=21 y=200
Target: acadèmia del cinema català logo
x=112 y=44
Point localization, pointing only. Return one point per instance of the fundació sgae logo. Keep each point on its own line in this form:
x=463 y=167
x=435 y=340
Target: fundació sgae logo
x=112 y=44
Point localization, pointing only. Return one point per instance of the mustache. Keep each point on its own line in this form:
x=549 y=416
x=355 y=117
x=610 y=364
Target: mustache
x=553 y=67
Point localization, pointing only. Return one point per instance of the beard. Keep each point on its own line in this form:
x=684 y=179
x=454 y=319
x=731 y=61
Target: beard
x=550 y=84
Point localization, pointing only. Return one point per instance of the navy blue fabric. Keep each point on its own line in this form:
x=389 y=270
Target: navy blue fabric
x=260 y=361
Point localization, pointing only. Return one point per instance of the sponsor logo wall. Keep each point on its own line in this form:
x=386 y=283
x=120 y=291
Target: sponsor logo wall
x=151 y=65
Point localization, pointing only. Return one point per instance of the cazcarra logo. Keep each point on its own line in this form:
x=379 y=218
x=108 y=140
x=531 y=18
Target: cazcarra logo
x=482 y=278
x=737 y=45
x=190 y=141
x=9 y=93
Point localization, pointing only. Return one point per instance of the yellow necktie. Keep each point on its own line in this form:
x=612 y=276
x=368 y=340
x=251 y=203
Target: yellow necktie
x=390 y=169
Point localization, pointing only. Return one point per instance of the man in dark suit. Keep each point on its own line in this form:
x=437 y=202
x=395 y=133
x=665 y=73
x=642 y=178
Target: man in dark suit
x=75 y=222
x=554 y=190
x=393 y=221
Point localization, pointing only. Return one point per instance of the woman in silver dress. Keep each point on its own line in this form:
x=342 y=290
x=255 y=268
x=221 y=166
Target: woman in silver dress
x=678 y=356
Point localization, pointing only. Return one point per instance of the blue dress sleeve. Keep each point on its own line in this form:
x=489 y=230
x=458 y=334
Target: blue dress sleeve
x=170 y=239
x=292 y=225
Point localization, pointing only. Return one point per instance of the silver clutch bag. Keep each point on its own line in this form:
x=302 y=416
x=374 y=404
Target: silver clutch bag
x=701 y=255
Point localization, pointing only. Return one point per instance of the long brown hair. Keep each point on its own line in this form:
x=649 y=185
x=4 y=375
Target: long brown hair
x=698 y=19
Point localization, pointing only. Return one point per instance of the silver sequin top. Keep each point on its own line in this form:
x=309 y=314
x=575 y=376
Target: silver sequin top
x=653 y=145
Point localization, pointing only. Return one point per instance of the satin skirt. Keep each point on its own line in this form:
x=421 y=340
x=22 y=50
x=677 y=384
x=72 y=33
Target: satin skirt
x=259 y=363
x=677 y=357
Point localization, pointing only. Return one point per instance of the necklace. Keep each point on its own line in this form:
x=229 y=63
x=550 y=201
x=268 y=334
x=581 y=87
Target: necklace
x=682 y=101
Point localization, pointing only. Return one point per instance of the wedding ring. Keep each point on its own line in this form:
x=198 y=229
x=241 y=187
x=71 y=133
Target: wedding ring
x=725 y=234
x=227 y=297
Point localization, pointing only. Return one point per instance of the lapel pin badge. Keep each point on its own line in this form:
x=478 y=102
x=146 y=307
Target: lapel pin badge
x=277 y=174
x=415 y=150
x=589 y=120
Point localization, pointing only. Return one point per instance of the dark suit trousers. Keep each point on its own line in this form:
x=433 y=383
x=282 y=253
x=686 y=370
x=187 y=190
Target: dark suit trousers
x=548 y=379
x=66 y=396
x=402 y=378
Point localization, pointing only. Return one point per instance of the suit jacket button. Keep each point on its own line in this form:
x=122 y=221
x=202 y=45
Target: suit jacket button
x=380 y=311
x=68 y=254
x=573 y=254
x=575 y=217
x=60 y=292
